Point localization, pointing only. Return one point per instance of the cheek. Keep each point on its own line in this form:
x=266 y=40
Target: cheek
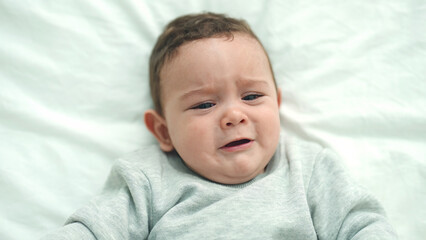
x=201 y=133
x=191 y=132
x=268 y=123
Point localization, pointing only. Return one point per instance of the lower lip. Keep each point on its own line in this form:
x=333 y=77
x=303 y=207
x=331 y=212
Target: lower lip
x=237 y=148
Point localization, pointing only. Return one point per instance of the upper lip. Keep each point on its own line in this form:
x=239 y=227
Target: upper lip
x=237 y=140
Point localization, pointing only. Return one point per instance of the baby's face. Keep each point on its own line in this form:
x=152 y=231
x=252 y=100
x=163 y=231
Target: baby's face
x=221 y=108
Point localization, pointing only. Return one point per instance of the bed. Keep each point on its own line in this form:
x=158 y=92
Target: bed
x=73 y=90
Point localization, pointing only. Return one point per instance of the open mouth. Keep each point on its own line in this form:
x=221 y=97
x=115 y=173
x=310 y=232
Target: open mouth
x=237 y=143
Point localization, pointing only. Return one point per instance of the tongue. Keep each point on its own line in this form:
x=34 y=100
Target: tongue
x=236 y=143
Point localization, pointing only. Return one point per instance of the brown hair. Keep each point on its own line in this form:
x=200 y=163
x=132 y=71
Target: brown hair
x=185 y=29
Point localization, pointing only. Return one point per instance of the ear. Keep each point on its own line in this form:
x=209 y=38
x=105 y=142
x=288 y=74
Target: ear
x=156 y=124
x=279 y=97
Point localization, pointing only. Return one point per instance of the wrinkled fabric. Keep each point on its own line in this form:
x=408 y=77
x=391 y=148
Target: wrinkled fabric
x=304 y=194
x=74 y=87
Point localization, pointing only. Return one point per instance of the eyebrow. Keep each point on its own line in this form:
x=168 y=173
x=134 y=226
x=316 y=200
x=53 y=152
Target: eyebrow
x=251 y=82
x=209 y=89
x=197 y=91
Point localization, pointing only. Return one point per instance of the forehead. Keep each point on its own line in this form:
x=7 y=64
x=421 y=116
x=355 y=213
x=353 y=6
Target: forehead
x=209 y=61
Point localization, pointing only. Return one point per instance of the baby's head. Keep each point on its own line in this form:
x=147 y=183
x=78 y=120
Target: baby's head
x=215 y=97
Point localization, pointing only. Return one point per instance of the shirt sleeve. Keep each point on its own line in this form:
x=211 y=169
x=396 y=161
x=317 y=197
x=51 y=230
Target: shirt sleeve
x=341 y=209
x=120 y=212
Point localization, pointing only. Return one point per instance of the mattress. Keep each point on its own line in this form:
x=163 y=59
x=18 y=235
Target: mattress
x=74 y=88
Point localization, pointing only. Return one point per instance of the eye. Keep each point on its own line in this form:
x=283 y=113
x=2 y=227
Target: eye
x=252 y=97
x=203 y=106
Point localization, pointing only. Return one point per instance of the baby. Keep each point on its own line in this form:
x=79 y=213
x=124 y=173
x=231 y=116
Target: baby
x=221 y=169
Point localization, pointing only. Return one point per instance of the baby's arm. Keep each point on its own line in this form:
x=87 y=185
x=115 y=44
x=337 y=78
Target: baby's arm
x=121 y=212
x=340 y=209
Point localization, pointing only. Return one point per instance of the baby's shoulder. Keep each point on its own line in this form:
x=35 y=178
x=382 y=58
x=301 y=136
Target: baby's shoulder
x=145 y=154
x=150 y=161
x=146 y=159
x=309 y=152
x=300 y=149
x=305 y=155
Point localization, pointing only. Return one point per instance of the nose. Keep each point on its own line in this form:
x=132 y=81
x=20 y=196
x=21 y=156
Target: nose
x=233 y=117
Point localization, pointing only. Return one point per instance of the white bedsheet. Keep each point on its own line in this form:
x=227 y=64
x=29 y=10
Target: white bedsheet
x=73 y=89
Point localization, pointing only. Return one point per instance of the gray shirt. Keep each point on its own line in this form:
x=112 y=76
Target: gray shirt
x=304 y=194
